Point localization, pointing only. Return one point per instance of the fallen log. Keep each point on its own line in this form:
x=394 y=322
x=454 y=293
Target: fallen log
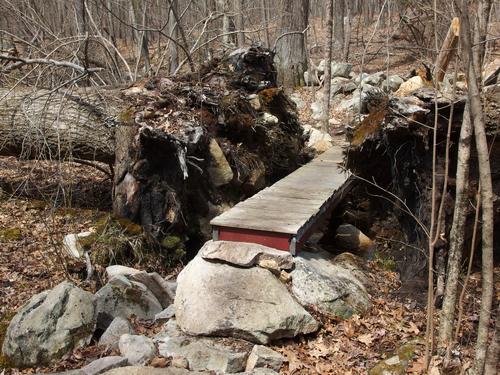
x=58 y=126
x=181 y=148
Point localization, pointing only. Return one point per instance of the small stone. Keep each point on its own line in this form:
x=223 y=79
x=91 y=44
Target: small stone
x=392 y=83
x=285 y=277
x=72 y=245
x=138 y=350
x=262 y=356
x=104 y=364
x=118 y=327
x=298 y=101
x=268 y=119
x=219 y=170
x=116 y=270
x=254 y=101
x=166 y=314
x=180 y=362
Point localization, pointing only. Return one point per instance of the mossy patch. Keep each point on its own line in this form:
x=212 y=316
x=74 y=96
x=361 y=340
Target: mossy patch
x=4 y=325
x=385 y=262
x=10 y=234
x=171 y=242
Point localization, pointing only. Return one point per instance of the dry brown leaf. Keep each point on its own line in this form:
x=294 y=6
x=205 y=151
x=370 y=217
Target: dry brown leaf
x=366 y=339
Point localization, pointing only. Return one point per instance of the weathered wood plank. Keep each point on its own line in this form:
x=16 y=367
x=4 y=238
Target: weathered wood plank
x=291 y=204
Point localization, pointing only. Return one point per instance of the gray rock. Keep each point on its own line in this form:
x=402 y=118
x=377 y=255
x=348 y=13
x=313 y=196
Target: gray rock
x=202 y=353
x=342 y=85
x=298 y=101
x=260 y=371
x=117 y=270
x=374 y=79
x=366 y=93
x=392 y=83
x=50 y=325
x=157 y=285
x=69 y=372
x=222 y=300
x=140 y=370
x=72 y=245
x=138 y=350
x=266 y=118
x=317 y=280
x=219 y=170
x=311 y=79
x=118 y=327
x=262 y=356
x=360 y=78
x=166 y=314
x=341 y=69
x=123 y=297
x=104 y=364
x=245 y=254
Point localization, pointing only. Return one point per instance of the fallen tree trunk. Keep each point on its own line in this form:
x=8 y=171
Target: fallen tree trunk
x=58 y=126
x=182 y=148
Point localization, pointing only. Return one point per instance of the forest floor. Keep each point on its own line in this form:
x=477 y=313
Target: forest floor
x=31 y=261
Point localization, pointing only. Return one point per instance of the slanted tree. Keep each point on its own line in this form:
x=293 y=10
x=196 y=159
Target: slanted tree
x=291 y=57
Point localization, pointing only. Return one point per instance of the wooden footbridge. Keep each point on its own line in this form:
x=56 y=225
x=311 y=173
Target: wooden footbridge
x=285 y=214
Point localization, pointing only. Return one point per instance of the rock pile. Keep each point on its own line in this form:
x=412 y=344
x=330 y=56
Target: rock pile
x=229 y=302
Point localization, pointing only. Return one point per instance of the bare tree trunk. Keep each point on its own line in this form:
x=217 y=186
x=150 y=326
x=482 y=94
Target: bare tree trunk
x=447 y=50
x=223 y=8
x=486 y=196
x=347 y=35
x=45 y=125
x=480 y=33
x=290 y=45
x=457 y=232
x=172 y=31
x=491 y=367
x=338 y=25
x=265 y=19
x=328 y=68
x=240 y=24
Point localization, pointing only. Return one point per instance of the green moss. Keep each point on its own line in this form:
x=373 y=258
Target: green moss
x=4 y=324
x=385 y=262
x=171 y=242
x=10 y=234
x=383 y=368
x=406 y=352
x=127 y=116
x=129 y=226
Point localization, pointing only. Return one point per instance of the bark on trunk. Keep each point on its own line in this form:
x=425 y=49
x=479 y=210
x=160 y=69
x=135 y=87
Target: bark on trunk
x=46 y=125
x=486 y=198
x=448 y=49
x=328 y=57
x=457 y=232
x=290 y=48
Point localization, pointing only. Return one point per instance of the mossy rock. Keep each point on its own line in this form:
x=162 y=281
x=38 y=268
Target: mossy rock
x=4 y=324
x=397 y=363
x=10 y=234
x=171 y=242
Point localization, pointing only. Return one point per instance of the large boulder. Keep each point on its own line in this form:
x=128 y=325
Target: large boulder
x=202 y=353
x=50 y=325
x=333 y=288
x=123 y=297
x=408 y=87
x=392 y=83
x=248 y=303
x=341 y=69
x=245 y=254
